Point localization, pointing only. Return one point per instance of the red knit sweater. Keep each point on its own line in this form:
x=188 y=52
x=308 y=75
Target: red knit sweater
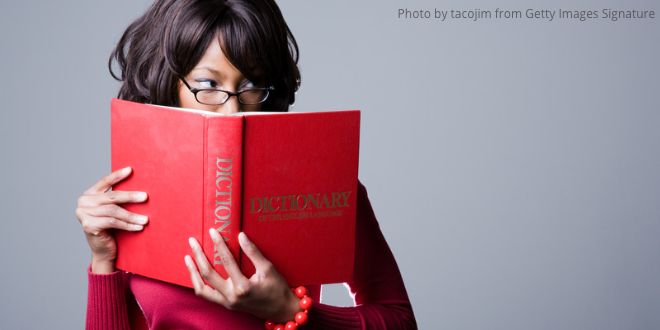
x=123 y=300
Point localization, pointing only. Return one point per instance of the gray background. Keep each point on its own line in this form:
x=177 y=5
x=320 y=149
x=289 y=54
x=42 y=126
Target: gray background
x=513 y=165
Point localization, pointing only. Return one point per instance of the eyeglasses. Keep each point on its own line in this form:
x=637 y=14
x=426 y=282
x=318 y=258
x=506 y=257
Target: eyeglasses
x=213 y=96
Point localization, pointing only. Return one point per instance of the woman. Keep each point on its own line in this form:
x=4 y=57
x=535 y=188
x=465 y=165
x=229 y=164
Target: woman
x=221 y=56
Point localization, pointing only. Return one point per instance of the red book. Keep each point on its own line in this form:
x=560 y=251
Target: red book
x=288 y=180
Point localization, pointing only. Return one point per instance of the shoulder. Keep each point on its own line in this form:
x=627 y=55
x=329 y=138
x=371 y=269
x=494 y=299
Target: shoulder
x=361 y=189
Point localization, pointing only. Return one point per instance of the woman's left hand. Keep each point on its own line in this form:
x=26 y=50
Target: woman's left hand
x=265 y=294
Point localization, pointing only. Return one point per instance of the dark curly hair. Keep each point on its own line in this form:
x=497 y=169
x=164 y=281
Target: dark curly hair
x=170 y=38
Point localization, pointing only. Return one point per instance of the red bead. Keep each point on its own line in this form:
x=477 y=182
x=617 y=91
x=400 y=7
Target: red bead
x=291 y=326
x=305 y=302
x=279 y=327
x=300 y=291
x=270 y=325
x=301 y=318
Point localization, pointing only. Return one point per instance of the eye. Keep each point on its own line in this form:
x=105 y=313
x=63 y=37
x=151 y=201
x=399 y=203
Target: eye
x=247 y=85
x=206 y=83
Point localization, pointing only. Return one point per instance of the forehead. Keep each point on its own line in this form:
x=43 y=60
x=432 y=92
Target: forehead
x=215 y=61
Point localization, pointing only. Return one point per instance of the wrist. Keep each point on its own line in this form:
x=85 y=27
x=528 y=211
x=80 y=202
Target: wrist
x=291 y=307
x=103 y=266
x=299 y=305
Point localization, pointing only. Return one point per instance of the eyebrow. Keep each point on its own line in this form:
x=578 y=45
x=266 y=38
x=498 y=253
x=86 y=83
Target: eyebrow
x=210 y=69
x=245 y=79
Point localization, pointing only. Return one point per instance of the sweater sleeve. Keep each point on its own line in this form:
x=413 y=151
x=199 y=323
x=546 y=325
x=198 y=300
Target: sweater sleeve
x=107 y=301
x=380 y=295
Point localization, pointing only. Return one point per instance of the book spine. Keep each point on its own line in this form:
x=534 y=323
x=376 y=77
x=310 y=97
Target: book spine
x=222 y=186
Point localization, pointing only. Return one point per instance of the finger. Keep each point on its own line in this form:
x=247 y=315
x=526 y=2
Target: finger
x=120 y=196
x=95 y=225
x=228 y=261
x=205 y=269
x=201 y=289
x=112 y=197
x=109 y=180
x=118 y=212
x=261 y=264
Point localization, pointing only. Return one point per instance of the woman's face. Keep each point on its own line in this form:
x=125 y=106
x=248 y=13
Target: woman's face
x=215 y=71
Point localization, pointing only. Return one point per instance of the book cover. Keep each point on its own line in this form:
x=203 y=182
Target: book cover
x=288 y=180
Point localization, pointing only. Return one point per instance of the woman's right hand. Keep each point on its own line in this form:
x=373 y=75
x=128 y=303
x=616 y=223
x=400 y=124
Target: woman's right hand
x=98 y=213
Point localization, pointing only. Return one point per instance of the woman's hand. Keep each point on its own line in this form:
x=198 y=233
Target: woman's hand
x=265 y=294
x=98 y=212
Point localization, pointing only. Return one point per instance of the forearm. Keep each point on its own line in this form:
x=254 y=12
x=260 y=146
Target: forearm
x=368 y=316
x=378 y=288
x=106 y=301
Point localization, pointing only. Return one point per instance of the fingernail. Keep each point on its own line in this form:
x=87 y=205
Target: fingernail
x=136 y=227
x=126 y=170
x=192 y=242
x=242 y=238
x=142 y=219
x=141 y=196
x=187 y=260
x=215 y=236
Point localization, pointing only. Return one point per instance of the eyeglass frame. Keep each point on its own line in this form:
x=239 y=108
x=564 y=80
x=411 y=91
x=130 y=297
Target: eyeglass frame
x=230 y=94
